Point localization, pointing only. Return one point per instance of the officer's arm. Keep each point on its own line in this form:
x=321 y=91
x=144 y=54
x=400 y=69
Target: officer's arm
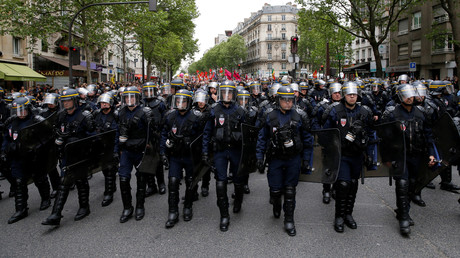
x=387 y=115
x=330 y=120
x=261 y=146
x=208 y=129
x=307 y=138
x=164 y=137
x=88 y=123
x=114 y=126
x=429 y=139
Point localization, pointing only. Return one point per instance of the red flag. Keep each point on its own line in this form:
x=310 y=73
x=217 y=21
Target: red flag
x=236 y=76
x=228 y=74
x=201 y=74
x=210 y=71
x=315 y=74
x=221 y=71
x=197 y=72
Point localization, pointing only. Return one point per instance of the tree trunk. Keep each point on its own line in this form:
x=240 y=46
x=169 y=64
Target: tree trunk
x=123 y=53
x=378 y=59
x=86 y=47
x=149 y=70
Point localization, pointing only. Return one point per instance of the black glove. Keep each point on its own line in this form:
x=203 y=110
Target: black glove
x=205 y=158
x=3 y=157
x=305 y=167
x=260 y=166
x=116 y=157
x=165 y=161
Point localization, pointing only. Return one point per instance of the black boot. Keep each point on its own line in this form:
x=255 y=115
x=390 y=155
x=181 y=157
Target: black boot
x=151 y=185
x=43 y=187
x=55 y=218
x=351 y=197
x=402 y=202
x=110 y=188
x=126 y=198
x=20 y=199
x=222 y=203
x=54 y=179
x=161 y=180
x=276 y=197
x=83 y=199
x=416 y=197
x=12 y=182
x=289 y=207
x=246 y=185
x=446 y=181
x=205 y=184
x=173 y=201
x=239 y=193
x=140 y=196
x=341 y=191
x=326 y=193
x=189 y=193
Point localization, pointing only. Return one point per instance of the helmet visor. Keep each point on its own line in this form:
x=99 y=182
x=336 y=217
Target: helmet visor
x=130 y=99
x=243 y=100
x=200 y=97
x=180 y=102
x=19 y=110
x=406 y=91
x=226 y=94
x=149 y=92
x=50 y=99
x=255 y=89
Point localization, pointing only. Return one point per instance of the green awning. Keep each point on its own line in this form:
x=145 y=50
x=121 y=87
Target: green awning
x=14 y=72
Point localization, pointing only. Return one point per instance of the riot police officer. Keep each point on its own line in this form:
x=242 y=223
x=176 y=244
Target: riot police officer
x=224 y=129
x=21 y=161
x=319 y=92
x=181 y=127
x=418 y=138
x=255 y=90
x=288 y=143
x=158 y=107
x=104 y=120
x=133 y=124
x=353 y=121
x=72 y=123
x=5 y=168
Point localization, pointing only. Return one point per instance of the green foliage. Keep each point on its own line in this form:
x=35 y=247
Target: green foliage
x=227 y=55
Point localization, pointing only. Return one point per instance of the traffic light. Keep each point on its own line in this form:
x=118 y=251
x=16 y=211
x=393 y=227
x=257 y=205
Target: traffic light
x=75 y=55
x=294 y=41
x=322 y=68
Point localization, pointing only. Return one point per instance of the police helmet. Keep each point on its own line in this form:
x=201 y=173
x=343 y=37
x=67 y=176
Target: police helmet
x=91 y=89
x=285 y=93
x=2 y=93
x=51 y=99
x=131 y=96
x=165 y=89
x=406 y=91
x=70 y=94
x=376 y=86
x=351 y=88
x=295 y=87
x=200 y=96
x=255 y=88
x=421 y=89
x=227 y=92
x=403 y=77
x=32 y=99
x=177 y=84
x=213 y=85
x=149 y=90
x=449 y=87
x=106 y=98
x=319 y=83
x=303 y=86
x=284 y=82
x=243 y=98
x=274 y=90
x=335 y=87
x=436 y=87
x=16 y=95
x=21 y=107
x=182 y=100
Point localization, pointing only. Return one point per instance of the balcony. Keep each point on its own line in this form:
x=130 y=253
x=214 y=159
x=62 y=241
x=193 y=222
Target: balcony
x=274 y=39
x=441 y=19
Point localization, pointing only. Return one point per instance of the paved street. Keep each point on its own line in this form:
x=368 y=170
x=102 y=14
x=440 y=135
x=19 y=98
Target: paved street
x=252 y=233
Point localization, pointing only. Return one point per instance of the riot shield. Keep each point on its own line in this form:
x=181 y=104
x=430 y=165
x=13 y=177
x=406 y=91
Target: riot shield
x=151 y=158
x=37 y=142
x=447 y=146
x=199 y=166
x=248 y=151
x=93 y=154
x=326 y=157
x=391 y=152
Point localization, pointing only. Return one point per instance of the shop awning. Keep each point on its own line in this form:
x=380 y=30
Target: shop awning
x=14 y=72
x=359 y=67
x=64 y=62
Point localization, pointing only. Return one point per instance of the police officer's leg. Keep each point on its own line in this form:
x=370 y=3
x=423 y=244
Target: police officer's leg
x=275 y=182
x=342 y=188
x=413 y=164
x=43 y=186
x=63 y=192
x=175 y=175
x=124 y=172
x=10 y=179
x=290 y=181
x=110 y=185
x=246 y=185
x=54 y=179
x=21 y=192
x=238 y=181
x=221 y=163
x=151 y=185
x=140 y=195
x=83 y=197
x=446 y=180
x=205 y=183
x=356 y=166
x=402 y=202
x=189 y=193
x=160 y=176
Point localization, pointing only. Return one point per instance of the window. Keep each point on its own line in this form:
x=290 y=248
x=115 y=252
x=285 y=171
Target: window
x=443 y=44
x=417 y=20
x=283 y=55
x=269 y=36
x=369 y=52
x=363 y=53
x=296 y=29
x=269 y=66
x=283 y=46
x=283 y=66
x=283 y=35
x=44 y=45
x=283 y=26
x=283 y=17
x=17 y=48
x=269 y=18
x=403 y=27
x=269 y=46
x=357 y=56
x=269 y=27
x=403 y=50
x=439 y=14
x=416 y=47
x=269 y=56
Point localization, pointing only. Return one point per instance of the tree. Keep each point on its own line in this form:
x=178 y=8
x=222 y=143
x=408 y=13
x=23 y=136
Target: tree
x=315 y=33
x=362 y=18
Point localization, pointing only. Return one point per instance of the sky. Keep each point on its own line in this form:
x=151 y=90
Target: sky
x=216 y=16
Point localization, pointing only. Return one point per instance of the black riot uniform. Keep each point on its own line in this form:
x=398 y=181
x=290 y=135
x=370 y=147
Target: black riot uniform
x=133 y=124
x=156 y=103
x=224 y=130
x=181 y=127
x=22 y=160
x=72 y=124
x=287 y=143
x=418 y=142
x=319 y=92
x=353 y=122
x=5 y=168
x=105 y=120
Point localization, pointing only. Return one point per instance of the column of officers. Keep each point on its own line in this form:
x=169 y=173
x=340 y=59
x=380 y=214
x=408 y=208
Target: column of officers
x=171 y=116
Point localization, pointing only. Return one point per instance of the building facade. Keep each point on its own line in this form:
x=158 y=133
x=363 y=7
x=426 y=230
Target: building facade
x=267 y=35
x=412 y=42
